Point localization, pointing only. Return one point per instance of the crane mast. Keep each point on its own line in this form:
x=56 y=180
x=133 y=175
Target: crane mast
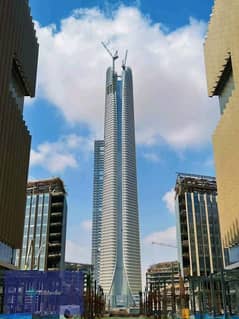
x=114 y=56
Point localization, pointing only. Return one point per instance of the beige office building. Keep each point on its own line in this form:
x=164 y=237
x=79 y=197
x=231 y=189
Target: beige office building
x=222 y=67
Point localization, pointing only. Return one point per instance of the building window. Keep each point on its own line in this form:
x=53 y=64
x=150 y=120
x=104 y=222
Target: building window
x=225 y=86
x=16 y=86
x=234 y=254
x=226 y=93
x=28 y=201
x=40 y=199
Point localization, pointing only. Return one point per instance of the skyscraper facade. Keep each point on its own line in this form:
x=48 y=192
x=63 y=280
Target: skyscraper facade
x=222 y=60
x=44 y=238
x=120 y=266
x=97 y=207
x=198 y=230
x=18 y=67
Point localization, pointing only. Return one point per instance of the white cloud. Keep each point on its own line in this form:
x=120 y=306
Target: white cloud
x=87 y=225
x=152 y=157
x=77 y=252
x=60 y=155
x=78 y=243
x=152 y=254
x=171 y=103
x=167 y=236
x=169 y=199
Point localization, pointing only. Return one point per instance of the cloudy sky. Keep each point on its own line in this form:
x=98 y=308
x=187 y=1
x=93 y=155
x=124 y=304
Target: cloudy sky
x=174 y=117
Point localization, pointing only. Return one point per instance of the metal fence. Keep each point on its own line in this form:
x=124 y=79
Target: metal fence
x=205 y=297
x=217 y=294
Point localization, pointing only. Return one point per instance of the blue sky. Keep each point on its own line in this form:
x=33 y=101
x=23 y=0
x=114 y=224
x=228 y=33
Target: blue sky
x=174 y=117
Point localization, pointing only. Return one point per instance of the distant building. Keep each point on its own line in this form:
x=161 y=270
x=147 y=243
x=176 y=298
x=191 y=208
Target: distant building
x=74 y=266
x=165 y=279
x=161 y=274
x=222 y=58
x=86 y=269
x=18 y=67
x=198 y=231
x=97 y=207
x=44 y=237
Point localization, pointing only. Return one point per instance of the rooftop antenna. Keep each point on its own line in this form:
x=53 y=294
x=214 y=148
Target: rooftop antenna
x=114 y=56
x=124 y=61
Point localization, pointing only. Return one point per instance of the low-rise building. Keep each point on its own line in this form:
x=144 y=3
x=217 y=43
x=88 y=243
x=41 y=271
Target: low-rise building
x=162 y=274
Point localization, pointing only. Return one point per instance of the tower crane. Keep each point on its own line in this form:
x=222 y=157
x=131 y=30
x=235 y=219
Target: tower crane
x=114 y=56
x=163 y=244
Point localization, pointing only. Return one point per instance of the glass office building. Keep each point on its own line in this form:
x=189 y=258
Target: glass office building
x=120 y=265
x=43 y=246
x=97 y=207
x=198 y=230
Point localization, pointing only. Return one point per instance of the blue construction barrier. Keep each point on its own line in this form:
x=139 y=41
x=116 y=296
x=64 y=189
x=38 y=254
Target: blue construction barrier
x=209 y=316
x=16 y=316
x=44 y=294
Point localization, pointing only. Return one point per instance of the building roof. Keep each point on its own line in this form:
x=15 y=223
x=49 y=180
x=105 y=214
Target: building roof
x=162 y=266
x=193 y=182
x=46 y=185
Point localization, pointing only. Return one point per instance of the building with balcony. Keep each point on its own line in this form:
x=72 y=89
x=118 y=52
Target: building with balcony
x=18 y=67
x=222 y=68
x=44 y=237
x=198 y=230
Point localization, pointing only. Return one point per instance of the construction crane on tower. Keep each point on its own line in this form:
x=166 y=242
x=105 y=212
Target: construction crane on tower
x=125 y=60
x=163 y=244
x=114 y=56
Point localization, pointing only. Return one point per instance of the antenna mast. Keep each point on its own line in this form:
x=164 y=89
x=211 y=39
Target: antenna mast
x=124 y=61
x=114 y=56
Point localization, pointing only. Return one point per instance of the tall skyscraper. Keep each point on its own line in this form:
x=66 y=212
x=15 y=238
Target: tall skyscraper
x=222 y=59
x=198 y=231
x=97 y=207
x=18 y=67
x=43 y=246
x=120 y=266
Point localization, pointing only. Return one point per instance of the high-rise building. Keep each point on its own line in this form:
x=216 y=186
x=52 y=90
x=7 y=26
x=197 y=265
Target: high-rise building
x=18 y=67
x=44 y=238
x=198 y=231
x=222 y=60
x=97 y=207
x=120 y=265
